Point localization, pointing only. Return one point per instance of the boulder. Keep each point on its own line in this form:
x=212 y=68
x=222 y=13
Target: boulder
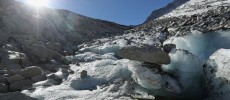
x=52 y=67
x=42 y=52
x=65 y=66
x=14 y=60
x=32 y=71
x=54 y=79
x=14 y=78
x=150 y=54
x=168 y=47
x=3 y=80
x=22 y=84
x=83 y=74
x=39 y=78
x=15 y=96
x=3 y=88
x=64 y=71
x=217 y=73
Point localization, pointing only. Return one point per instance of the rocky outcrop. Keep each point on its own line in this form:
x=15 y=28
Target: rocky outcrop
x=146 y=54
x=201 y=15
x=165 y=10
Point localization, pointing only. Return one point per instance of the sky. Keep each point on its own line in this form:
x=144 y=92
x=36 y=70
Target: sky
x=126 y=12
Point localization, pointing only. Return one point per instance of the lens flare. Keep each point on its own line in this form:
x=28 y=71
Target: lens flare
x=38 y=3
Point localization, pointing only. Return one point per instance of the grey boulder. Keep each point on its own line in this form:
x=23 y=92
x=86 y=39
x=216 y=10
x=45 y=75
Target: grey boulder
x=14 y=78
x=150 y=54
x=20 y=85
x=15 y=96
x=3 y=88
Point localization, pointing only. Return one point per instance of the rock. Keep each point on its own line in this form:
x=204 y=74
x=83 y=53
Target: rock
x=15 y=96
x=65 y=66
x=13 y=66
x=64 y=71
x=146 y=54
x=71 y=71
x=54 y=79
x=3 y=80
x=14 y=79
x=32 y=71
x=14 y=60
x=42 y=52
x=2 y=72
x=39 y=78
x=22 y=84
x=168 y=47
x=217 y=73
x=83 y=74
x=52 y=67
x=3 y=88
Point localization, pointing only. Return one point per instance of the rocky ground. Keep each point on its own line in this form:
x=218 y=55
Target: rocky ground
x=67 y=58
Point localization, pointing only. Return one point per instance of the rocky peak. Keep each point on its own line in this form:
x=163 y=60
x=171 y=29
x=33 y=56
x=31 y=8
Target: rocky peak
x=167 y=9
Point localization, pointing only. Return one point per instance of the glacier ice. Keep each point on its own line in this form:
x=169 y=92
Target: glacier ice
x=112 y=78
x=202 y=44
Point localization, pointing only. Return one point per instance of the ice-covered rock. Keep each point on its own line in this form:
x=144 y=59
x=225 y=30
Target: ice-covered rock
x=186 y=69
x=168 y=47
x=217 y=71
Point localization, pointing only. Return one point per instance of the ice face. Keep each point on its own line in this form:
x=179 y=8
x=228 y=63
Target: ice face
x=202 y=44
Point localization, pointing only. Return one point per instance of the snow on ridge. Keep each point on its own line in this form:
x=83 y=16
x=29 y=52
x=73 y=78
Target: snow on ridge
x=196 y=7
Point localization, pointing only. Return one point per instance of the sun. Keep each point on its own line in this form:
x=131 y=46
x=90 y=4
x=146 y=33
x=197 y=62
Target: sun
x=37 y=3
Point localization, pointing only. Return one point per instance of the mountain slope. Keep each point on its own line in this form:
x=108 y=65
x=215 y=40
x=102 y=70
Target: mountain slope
x=187 y=8
x=50 y=26
x=167 y=9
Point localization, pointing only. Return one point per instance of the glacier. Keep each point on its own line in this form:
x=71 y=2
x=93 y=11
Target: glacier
x=110 y=77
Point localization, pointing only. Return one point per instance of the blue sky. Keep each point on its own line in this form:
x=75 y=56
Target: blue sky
x=127 y=12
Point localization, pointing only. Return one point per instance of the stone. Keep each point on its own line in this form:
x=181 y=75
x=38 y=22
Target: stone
x=15 y=96
x=32 y=71
x=65 y=66
x=217 y=73
x=168 y=47
x=3 y=80
x=14 y=78
x=71 y=71
x=3 y=88
x=42 y=52
x=150 y=54
x=39 y=78
x=64 y=71
x=83 y=74
x=13 y=59
x=52 y=67
x=19 y=85
x=54 y=79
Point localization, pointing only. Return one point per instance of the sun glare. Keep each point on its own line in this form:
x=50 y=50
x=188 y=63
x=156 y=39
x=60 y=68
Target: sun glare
x=37 y=3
